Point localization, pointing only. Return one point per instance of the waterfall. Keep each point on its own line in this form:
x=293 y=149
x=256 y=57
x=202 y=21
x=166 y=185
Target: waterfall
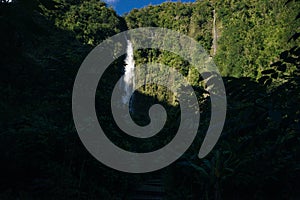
x=129 y=80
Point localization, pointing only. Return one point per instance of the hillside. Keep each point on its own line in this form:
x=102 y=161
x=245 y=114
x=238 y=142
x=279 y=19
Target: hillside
x=255 y=45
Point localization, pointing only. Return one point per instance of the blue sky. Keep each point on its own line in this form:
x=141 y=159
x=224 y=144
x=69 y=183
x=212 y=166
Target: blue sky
x=123 y=6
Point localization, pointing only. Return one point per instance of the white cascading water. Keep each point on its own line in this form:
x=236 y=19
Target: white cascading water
x=128 y=81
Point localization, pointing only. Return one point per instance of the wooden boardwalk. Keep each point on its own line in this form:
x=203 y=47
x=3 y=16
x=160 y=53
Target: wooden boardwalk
x=152 y=189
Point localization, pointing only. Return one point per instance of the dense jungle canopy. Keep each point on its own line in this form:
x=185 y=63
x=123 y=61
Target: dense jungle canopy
x=254 y=43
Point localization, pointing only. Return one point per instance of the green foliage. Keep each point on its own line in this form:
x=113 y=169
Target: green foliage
x=286 y=68
x=250 y=35
x=43 y=43
x=253 y=34
x=91 y=21
x=191 y=19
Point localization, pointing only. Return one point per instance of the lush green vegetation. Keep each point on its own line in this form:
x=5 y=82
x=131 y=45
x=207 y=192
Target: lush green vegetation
x=43 y=43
